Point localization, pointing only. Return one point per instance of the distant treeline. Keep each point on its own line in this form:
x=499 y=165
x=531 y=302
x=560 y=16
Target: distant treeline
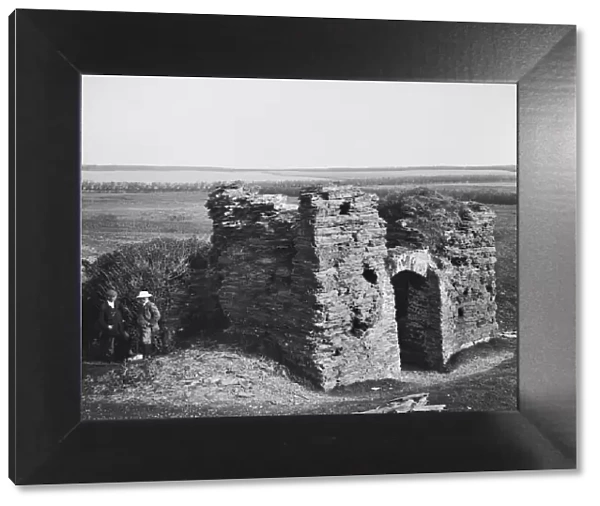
x=139 y=187
x=291 y=187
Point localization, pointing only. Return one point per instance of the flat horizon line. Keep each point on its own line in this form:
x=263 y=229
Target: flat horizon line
x=200 y=168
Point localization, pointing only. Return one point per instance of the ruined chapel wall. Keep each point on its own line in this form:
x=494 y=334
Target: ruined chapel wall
x=470 y=284
x=310 y=284
x=265 y=264
x=252 y=259
x=313 y=284
x=457 y=238
x=341 y=239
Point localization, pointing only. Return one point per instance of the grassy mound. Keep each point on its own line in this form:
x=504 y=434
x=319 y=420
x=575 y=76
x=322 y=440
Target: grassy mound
x=420 y=216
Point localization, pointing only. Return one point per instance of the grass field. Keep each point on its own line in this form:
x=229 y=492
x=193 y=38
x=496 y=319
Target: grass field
x=213 y=378
x=115 y=175
x=113 y=219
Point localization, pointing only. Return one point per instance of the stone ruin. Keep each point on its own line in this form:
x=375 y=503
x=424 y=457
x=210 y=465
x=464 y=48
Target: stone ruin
x=343 y=295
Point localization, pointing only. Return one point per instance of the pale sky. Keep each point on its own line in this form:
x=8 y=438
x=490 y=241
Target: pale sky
x=278 y=124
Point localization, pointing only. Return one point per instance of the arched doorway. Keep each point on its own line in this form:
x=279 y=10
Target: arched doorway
x=417 y=301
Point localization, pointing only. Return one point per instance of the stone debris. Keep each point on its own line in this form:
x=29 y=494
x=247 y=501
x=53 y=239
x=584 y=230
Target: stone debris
x=341 y=292
x=406 y=404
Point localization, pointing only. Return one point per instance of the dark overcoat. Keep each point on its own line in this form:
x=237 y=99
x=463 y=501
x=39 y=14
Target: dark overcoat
x=111 y=316
x=114 y=341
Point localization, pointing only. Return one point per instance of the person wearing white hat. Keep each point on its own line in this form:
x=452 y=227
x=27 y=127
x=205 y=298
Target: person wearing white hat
x=148 y=317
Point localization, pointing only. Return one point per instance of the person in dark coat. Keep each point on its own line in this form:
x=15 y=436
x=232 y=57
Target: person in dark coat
x=147 y=319
x=114 y=339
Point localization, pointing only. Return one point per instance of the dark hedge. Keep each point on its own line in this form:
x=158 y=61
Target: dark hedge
x=174 y=271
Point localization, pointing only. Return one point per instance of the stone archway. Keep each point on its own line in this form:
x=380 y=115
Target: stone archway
x=409 y=291
x=418 y=310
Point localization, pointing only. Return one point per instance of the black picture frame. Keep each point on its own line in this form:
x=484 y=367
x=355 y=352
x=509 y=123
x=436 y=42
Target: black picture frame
x=50 y=50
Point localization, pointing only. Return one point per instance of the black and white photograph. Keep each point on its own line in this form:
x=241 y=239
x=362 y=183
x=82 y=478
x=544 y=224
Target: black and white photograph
x=276 y=247
x=256 y=246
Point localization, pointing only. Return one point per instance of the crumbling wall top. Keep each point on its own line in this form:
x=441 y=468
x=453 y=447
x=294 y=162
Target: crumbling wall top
x=238 y=196
x=328 y=196
x=422 y=218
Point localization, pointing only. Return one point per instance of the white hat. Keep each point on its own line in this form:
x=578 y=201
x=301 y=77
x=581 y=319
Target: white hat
x=143 y=293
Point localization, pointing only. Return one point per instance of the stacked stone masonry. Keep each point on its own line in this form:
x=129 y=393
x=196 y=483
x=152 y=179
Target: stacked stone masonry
x=341 y=294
